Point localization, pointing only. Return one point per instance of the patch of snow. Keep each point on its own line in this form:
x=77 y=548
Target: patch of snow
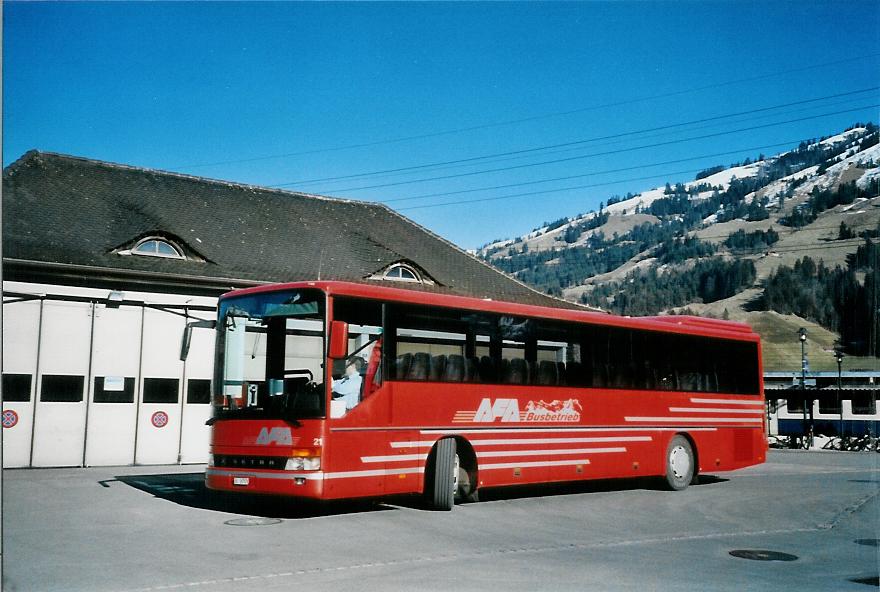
x=724 y=177
x=870 y=175
x=842 y=137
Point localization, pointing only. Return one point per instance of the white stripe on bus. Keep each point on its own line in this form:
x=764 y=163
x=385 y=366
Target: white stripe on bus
x=712 y=410
x=317 y=476
x=549 y=463
x=497 y=453
x=701 y=419
x=393 y=458
x=729 y=402
x=520 y=430
x=374 y=473
x=424 y=443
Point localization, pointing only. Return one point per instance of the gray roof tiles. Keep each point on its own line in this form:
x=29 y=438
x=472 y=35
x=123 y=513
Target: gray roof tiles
x=76 y=211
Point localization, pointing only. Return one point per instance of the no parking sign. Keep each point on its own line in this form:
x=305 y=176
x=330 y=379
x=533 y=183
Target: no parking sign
x=10 y=418
x=159 y=419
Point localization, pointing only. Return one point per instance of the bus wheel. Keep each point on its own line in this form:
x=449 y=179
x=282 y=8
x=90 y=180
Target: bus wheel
x=444 y=482
x=680 y=463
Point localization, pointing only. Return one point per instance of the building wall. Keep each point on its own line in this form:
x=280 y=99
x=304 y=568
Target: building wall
x=106 y=385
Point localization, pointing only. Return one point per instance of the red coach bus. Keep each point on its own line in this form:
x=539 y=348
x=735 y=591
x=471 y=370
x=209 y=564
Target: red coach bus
x=455 y=394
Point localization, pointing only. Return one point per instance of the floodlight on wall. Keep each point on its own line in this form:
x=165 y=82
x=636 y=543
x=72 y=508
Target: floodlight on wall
x=114 y=299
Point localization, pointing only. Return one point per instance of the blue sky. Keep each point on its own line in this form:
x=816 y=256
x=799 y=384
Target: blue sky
x=289 y=93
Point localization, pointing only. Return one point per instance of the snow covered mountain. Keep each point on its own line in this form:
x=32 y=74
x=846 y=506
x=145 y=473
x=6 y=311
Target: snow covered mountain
x=714 y=244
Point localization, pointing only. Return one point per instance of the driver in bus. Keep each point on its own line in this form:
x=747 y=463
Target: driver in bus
x=348 y=388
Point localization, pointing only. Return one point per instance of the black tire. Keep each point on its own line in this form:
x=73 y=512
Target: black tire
x=443 y=484
x=680 y=462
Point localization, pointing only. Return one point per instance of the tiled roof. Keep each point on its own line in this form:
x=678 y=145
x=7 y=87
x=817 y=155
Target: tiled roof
x=60 y=209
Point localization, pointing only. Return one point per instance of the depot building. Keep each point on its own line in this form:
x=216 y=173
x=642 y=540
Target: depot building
x=104 y=264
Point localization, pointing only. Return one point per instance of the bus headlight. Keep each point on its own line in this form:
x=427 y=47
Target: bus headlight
x=304 y=460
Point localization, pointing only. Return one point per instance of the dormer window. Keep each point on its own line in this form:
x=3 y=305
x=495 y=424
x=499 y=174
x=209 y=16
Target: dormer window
x=159 y=244
x=402 y=273
x=157 y=247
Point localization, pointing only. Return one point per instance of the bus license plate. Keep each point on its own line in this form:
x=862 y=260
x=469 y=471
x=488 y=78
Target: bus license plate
x=241 y=480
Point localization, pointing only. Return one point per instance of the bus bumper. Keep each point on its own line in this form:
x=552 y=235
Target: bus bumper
x=298 y=484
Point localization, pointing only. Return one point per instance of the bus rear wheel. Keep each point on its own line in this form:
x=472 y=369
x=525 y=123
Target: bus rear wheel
x=680 y=463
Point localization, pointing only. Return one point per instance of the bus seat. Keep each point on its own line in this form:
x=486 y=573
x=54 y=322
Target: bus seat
x=454 y=369
x=373 y=376
x=517 y=372
x=487 y=370
x=418 y=370
x=471 y=370
x=547 y=373
x=575 y=374
x=690 y=381
x=561 y=374
x=711 y=382
x=504 y=371
x=437 y=368
x=401 y=366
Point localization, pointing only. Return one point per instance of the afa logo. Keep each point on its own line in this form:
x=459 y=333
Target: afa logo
x=275 y=436
x=507 y=410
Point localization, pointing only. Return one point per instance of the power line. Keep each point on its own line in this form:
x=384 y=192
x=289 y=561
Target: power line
x=569 y=188
x=534 y=117
x=578 y=142
x=530 y=193
x=605 y=153
x=641 y=166
x=612 y=142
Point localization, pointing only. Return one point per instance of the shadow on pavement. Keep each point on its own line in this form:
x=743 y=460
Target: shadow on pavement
x=582 y=487
x=188 y=489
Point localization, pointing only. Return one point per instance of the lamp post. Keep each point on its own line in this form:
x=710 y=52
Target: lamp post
x=802 y=336
x=839 y=357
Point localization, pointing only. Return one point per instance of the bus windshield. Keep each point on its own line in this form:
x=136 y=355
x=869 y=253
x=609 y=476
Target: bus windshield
x=270 y=356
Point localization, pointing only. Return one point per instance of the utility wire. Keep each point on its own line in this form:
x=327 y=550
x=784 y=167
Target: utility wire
x=535 y=117
x=605 y=153
x=569 y=188
x=579 y=142
x=609 y=143
x=605 y=172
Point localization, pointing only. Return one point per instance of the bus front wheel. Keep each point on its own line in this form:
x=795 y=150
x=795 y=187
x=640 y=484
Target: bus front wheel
x=443 y=476
x=680 y=463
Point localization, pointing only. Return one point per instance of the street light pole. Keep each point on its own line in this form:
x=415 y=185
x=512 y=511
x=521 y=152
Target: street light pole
x=802 y=336
x=839 y=356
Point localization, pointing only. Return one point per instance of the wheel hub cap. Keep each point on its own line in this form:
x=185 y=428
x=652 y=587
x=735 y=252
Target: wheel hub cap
x=680 y=462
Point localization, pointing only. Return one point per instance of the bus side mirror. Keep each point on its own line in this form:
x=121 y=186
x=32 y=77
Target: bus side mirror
x=187 y=335
x=338 y=340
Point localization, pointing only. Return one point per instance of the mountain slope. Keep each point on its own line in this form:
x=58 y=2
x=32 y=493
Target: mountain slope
x=712 y=244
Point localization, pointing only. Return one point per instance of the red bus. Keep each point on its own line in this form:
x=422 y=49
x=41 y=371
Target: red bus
x=456 y=394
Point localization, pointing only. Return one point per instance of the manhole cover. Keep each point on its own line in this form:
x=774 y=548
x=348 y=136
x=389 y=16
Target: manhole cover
x=760 y=555
x=252 y=521
x=868 y=542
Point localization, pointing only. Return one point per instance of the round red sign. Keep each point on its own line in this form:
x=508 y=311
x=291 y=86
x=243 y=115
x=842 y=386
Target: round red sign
x=10 y=418
x=159 y=419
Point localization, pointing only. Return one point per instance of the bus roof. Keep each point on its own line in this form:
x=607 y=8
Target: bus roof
x=672 y=323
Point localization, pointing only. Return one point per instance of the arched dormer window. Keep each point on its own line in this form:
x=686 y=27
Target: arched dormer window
x=157 y=247
x=401 y=272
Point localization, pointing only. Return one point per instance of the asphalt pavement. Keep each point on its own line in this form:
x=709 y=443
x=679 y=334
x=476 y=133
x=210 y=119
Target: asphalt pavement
x=804 y=521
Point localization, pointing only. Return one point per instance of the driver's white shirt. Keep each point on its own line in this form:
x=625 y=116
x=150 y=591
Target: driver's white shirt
x=349 y=387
